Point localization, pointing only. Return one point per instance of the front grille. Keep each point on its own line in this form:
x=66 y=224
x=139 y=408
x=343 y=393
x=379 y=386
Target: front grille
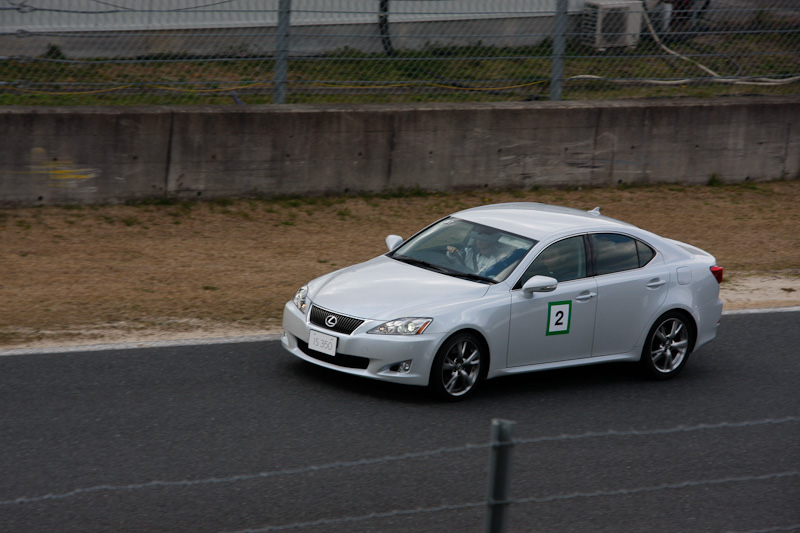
x=340 y=359
x=343 y=324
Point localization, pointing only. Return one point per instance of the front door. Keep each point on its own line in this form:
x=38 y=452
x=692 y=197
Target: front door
x=559 y=325
x=553 y=326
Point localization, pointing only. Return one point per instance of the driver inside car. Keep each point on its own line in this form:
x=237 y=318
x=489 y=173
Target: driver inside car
x=479 y=257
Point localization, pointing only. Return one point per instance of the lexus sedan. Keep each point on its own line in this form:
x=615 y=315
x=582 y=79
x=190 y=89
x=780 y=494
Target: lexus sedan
x=509 y=288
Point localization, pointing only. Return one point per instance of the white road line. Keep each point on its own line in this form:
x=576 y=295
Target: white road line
x=759 y=311
x=139 y=345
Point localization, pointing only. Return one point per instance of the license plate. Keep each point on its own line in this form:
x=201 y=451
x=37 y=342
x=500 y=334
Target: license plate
x=322 y=343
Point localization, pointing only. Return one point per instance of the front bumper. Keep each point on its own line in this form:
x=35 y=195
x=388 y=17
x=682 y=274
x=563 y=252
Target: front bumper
x=363 y=354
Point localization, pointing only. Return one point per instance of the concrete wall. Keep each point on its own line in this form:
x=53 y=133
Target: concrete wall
x=108 y=155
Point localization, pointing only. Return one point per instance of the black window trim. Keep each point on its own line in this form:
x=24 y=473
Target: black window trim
x=591 y=263
x=591 y=258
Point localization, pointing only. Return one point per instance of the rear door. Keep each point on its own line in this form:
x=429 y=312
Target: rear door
x=632 y=283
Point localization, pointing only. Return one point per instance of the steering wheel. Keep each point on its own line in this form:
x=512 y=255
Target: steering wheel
x=457 y=254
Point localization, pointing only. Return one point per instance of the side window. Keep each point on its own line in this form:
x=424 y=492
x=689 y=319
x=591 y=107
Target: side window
x=563 y=260
x=645 y=253
x=615 y=253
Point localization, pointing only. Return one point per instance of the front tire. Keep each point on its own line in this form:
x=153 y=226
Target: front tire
x=458 y=367
x=668 y=346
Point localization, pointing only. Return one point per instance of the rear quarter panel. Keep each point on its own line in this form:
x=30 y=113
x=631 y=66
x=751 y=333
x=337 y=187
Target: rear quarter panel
x=693 y=289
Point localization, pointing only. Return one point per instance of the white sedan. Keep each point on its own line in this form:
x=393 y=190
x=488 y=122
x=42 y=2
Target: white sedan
x=509 y=288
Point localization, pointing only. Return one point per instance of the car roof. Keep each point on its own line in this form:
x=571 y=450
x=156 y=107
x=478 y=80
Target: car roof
x=537 y=221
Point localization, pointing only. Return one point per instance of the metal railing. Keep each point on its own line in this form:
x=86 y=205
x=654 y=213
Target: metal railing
x=383 y=51
x=499 y=503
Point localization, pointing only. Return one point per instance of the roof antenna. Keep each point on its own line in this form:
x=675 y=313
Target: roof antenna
x=595 y=211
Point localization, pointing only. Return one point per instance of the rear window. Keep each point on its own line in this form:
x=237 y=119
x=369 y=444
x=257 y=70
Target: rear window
x=645 y=253
x=617 y=253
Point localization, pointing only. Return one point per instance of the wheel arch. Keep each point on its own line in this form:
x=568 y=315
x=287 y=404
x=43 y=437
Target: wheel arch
x=690 y=321
x=481 y=339
x=671 y=360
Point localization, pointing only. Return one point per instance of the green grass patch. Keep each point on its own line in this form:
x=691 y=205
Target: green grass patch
x=766 y=46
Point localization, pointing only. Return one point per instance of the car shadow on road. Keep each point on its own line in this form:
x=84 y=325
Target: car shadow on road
x=593 y=378
x=577 y=378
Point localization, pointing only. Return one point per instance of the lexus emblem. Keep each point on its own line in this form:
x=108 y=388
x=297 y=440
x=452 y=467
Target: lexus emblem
x=331 y=321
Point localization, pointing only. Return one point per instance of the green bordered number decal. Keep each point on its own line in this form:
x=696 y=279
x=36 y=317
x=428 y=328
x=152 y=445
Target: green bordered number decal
x=558 y=317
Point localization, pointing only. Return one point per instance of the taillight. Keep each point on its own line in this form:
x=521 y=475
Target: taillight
x=717 y=271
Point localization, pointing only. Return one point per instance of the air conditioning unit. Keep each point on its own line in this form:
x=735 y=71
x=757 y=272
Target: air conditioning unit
x=611 y=23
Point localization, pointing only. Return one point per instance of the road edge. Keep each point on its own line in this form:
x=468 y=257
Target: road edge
x=253 y=338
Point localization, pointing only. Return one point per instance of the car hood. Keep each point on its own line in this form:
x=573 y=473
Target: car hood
x=385 y=289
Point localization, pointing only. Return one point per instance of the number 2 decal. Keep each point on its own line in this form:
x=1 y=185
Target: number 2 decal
x=558 y=318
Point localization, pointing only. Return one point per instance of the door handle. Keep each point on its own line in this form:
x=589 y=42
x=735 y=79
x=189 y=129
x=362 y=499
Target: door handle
x=586 y=296
x=656 y=283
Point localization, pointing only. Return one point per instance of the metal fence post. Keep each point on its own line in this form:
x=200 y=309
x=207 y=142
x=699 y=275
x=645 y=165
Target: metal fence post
x=282 y=53
x=383 y=27
x=559 y=48
x=499 y=476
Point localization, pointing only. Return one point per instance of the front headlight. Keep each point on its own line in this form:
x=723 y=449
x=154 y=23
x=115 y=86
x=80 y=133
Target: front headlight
x=402 y=326
x=301 y=299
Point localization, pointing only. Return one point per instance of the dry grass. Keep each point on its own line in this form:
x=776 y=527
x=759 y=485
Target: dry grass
x=79 y=273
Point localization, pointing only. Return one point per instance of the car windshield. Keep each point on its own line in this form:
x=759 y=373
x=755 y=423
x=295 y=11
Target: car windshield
x=465 y=249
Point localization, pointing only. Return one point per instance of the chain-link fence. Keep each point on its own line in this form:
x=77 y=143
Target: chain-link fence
x=361 y=51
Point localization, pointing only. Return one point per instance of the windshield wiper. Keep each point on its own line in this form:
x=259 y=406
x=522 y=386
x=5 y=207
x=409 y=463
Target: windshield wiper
x=473 y=277
x=443 y=270
x=421 y=263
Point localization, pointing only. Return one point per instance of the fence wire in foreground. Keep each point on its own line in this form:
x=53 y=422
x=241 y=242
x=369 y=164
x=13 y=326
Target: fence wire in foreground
x=385 y=51
x=498 y=500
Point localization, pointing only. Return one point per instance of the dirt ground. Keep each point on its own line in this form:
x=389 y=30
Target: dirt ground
x=103 y=274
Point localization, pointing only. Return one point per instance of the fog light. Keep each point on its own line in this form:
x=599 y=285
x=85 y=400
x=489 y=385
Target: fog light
x=402 y=368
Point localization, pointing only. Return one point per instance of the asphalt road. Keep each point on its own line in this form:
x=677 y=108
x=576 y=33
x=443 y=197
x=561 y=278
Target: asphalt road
x=244 y=437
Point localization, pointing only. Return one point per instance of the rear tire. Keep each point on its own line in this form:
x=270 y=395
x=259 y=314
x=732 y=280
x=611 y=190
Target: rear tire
x=668 y=345
x=458 y=367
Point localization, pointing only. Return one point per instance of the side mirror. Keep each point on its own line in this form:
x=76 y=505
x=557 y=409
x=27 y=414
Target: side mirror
x=393 y=241
x=539 y=284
